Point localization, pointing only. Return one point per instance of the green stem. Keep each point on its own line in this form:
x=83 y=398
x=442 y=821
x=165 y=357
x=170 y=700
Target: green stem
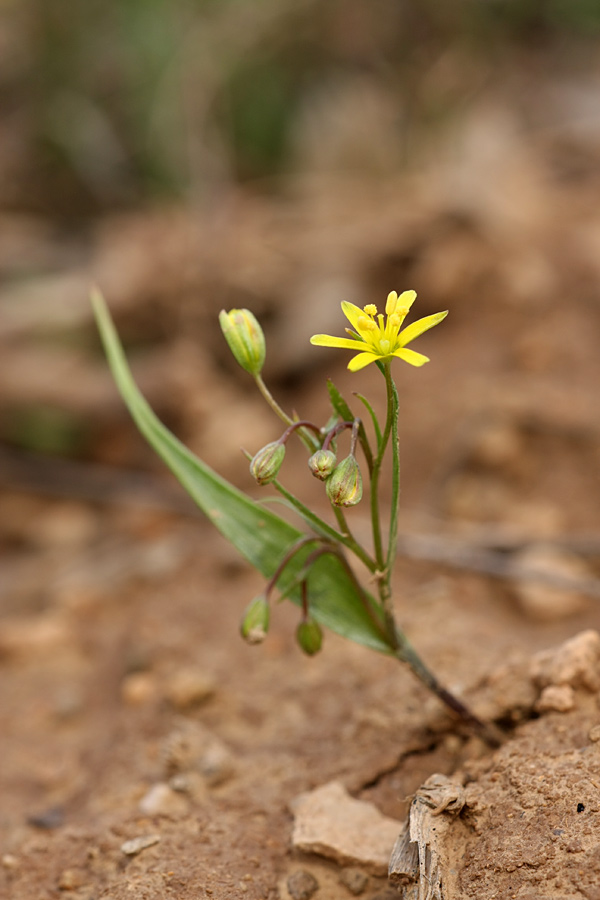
x=375 y=473
x=325 y=529
x=393 y=532
x=405 y=652
x=307 y=439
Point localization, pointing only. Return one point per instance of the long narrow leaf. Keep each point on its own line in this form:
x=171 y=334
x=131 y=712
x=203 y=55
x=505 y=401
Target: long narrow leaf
x=259 y=534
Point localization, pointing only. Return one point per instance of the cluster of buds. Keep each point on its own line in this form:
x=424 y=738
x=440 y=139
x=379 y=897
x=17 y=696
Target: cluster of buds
x=343 y=482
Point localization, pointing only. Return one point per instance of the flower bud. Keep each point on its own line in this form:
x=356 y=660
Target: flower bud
x=309 y=636
x=344 y=486
x=266 y=464
x=255 y=623
x=245 y=338
x=322 y=463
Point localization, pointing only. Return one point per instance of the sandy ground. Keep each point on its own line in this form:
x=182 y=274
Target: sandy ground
x=129 y=706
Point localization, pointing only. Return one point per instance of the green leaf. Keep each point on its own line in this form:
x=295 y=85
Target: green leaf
x=260 y=535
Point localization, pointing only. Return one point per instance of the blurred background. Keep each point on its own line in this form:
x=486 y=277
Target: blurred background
x=190 y=156
x=283 y=155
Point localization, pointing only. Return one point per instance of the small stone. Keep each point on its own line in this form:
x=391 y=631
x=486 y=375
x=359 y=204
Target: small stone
x=189 y=687
x=354 y=879
x=193 y=748
x=594 y=733
x=576 y=662
x=556 y=698
x=162 y=800
x=137 y=844
x=9 y=861
x=71 y=879
x=139 y=688
x=331 y=823
x=216 y=764
x=48 y=819
x=302 y=885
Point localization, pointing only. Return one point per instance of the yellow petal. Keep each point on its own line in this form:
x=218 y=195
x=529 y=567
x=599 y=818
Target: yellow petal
x=413 y=331
x=361 y=360
x=406 y=299
x=327 y=340
x=352 y=313
x=412 y=357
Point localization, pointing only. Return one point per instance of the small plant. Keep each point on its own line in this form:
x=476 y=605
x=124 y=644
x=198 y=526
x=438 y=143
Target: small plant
x=312 y=567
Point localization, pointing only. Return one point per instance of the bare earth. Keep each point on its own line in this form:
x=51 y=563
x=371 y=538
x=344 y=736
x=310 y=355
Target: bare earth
x=129 y=706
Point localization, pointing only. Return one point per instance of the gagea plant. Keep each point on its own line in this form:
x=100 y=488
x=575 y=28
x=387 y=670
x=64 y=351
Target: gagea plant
x=315 y=565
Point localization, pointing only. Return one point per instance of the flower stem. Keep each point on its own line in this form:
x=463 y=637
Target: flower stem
x=405 y=652
x=323 y=528
x=307 y=439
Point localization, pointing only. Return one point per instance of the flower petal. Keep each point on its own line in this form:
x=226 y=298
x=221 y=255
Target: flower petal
x=412 y=357
x=327 y=340
x=406 y=299
x=361 y=360
x=352 y=313
x=416 y=328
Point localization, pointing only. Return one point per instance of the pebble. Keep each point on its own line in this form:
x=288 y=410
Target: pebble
x=594 y=733
x=329 y=822
x=189 y=687
x=9 y=861
x=139 y=688
x=193 y=748
x=355 y=880
x=162 y=800
x=137 y=844
x=302 y=885
x=556 y=698
x=576 y=662
x=71 y=879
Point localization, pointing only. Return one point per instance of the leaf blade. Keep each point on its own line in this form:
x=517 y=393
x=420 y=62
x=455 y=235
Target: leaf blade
x=260 y=535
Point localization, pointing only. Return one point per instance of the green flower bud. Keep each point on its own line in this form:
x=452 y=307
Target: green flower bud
x=344 y=486
x=266 y=464
x=245 y=338
x=309 y=636
x=322 y=463
x=255 y=622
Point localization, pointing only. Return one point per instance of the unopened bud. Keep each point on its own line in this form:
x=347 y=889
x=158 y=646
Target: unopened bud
x=255 y=623
x=245 y=338
x=309 y=636
x=322 y=463
x=344 y=486
x=265 y=465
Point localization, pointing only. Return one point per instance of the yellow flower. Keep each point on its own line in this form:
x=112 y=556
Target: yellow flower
x=379 y=338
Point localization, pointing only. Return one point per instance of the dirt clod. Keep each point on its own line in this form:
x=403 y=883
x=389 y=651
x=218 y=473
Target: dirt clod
x=137 y=844
x=302 y=885
x=354 y=879
x=331 y=823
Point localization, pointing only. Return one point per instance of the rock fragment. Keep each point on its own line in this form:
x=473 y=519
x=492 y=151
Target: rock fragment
x=302 y=885
x=137 y=844
x=189 y=687
x=576 y=663
x=354 y=879
x=329 y=822
x=556 y=698
x=162 y=800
